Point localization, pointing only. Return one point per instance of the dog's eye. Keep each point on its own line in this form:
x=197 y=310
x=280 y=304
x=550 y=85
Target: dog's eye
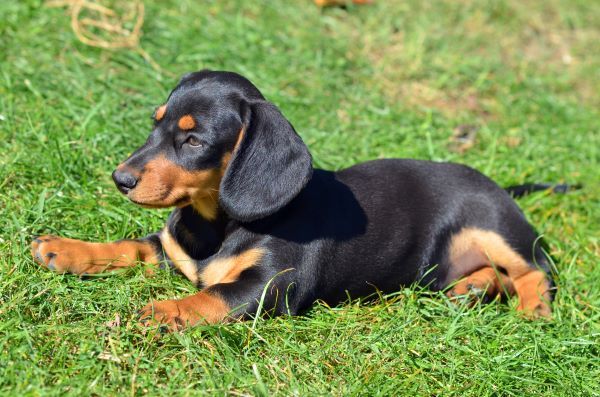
x=193 y=141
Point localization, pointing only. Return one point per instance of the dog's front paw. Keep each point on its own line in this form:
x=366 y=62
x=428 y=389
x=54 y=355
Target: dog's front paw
x=43 y=250
x=174 y=315
x=165 y=314
x=64 y=255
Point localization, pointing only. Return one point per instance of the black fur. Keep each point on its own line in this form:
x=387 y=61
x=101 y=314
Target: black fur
x=269 y=148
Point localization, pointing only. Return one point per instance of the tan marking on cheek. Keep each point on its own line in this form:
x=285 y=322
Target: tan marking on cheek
x=165 y=184
x=206 y=200
x=178 y=256
x=186 y=123
x=227 y=270
x=155 y=186
x=207 y=204
x=160 y=112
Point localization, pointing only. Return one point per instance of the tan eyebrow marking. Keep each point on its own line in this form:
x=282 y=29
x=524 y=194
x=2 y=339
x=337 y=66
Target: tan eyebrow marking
x=160 y=112
x=187 y=122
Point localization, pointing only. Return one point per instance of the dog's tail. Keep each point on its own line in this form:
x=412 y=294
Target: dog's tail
x=522 y=190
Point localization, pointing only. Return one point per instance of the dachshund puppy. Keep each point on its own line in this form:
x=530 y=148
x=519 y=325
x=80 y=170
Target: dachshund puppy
x=255 y=227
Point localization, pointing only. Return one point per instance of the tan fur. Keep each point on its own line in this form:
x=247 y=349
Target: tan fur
x=202 y=307
x=239 y=139
x=178 y=256
x=207 y=204
x=225 y=161
x=79 y=257
x=488 y=280
x=473 y=249
x=163 y=184
x=186 y=122
x=160 y=112
x=227 y=270
x=534 y=294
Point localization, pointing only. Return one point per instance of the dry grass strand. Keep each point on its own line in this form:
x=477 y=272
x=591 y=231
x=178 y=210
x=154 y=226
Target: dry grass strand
x=97 y=25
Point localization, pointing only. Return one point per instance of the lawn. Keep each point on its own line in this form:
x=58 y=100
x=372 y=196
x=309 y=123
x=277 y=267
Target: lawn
x=393 y=79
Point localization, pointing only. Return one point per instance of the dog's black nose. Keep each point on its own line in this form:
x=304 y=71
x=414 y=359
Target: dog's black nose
x=124 y=180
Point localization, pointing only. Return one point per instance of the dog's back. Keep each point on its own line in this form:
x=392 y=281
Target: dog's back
x=387 y=223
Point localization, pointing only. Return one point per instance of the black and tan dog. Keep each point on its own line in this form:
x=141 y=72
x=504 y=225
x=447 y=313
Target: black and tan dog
x=255 y=224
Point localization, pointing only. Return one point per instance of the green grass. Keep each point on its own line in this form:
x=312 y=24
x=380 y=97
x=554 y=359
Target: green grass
x=389 y=80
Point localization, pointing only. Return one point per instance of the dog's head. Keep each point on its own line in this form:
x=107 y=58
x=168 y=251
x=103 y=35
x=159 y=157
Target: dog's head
x=217 y=142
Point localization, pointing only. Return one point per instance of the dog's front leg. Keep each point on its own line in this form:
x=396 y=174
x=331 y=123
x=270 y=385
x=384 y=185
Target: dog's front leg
x=65 y=255
x=243 y=290
x=204 y=307
x=215 y=304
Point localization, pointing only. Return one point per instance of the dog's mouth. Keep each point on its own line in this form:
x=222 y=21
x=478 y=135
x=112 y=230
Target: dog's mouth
x=148 y=205
x=159 y=197
x=182 y=202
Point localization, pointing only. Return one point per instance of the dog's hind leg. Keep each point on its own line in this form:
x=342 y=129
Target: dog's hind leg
x=485 y=257
x=486 y=283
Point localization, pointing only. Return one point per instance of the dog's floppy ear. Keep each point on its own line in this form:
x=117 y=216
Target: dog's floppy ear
x=269 y=166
